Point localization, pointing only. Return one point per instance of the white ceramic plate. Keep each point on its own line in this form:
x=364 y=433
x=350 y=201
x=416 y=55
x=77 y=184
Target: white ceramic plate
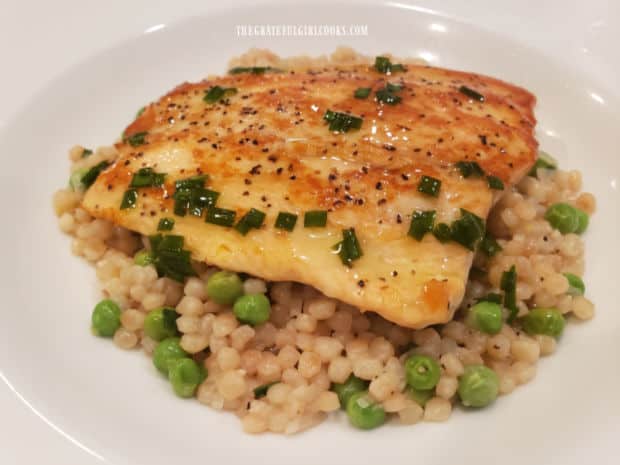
x=95 y=403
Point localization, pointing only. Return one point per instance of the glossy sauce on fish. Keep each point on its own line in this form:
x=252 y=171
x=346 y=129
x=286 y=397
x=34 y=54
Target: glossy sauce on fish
x=268 y=147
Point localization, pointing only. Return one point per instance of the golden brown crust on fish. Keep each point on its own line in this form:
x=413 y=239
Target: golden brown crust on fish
x=268 y=147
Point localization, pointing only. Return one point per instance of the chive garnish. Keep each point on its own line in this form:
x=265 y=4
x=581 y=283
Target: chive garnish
x=469 y=168
x=362 y=92
x=139 y=112
x=471 y=93
x=217 y=93
x=421 y=223
x=429 y=186
x=342 y=122
x=195 y=181
x=200 y=199
x=136 y=139
x=286 y=221
x=468 y=230
x=130 y=197
x=147 y=177
x=491 y=297
x=165 y=224
x=253 y=219
x=190 y=195
x=349 y=248
x=442 y=232
x=495 y=183
x=508 y=284
x=315 y=219
x=489 y=246
x=86 y=153
x=385 y=66
x=93 y=173
x=253 y=70
x=261 y=391
x=169 y=257
x=387 y=97
x=544 y=161
x=221 y=216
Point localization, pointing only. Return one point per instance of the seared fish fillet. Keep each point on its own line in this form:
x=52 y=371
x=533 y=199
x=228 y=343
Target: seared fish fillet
x=268 y=147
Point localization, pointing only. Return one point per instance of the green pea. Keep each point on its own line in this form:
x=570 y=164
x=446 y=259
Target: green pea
x=161 y=323
x=486 y=317
x=185 y=375
x=75 y=180
x=548 y=321
x=345 y=390
x=106 y=318
x=363 y=412
x=583 y=220
x=166 y=351
x=478 y=386
x=422 y=372
x=566 y=218
x=421 y=397
x=252 y=309
x=575 y=284
x=143 y=258
x=224 y=287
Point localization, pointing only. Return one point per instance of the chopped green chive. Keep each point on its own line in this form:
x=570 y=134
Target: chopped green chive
x=421 y=223
x=362 y=92
x=200 y=199
x=190 y=195
x=147 y=177
x=217 y=93
x=387 y=97
x=261 y=391
x=492 y=297
x=130 y=197
x=544 y=161
x=168 y=242
x=86 y=153
x=508 y=284
x=575 y=284
x=495 y=183
x=349 y=248
x=194 y=181
x=253 y=219
x=469 y=168
x=429 y=186
x=342 y=122
x=286 y=221
x=137 y=139
x=471 y=93
x=442 y=232
x=169 y=257
x=315 y=219
x=253 y=70
x=467 y=230
x=165 y=224
x=75 y=180
x=385 y=66
x=194 y=200
x=93 y=173
x=489 y=246
x=221 y=216
x=139 y=112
